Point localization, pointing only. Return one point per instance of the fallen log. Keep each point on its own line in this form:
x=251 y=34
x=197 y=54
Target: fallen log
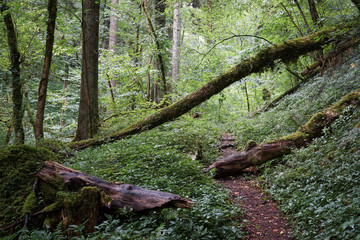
x=73 y=197
x=254 y=155
x=287 y=51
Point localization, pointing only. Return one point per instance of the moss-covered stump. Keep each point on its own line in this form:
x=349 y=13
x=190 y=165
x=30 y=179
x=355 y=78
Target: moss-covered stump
x=74 y=208
x=18 y=167
x=255 y=155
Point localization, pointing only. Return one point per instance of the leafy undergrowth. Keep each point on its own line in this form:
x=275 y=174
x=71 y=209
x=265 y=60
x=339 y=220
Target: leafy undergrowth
x=318 y=187
x=157 y=160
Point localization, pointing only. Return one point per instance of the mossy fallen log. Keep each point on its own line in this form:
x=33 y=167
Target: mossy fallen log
x=255 y=155
x=73 y=197
x=286 y=51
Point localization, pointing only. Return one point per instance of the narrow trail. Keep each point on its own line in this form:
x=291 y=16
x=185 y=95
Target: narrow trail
x=264 y=219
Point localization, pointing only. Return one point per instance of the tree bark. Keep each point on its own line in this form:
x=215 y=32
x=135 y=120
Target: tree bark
x=95 y=196
x=266 y=58
x=113 y=37
x=176 y=42
x=257 y=155
x=39 y=123
x=17 y=95
x=357 y=4
x=88 y=117
x=160 y=22
x=314 y=13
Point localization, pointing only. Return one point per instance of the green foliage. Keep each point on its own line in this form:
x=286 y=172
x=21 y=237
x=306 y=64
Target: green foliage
x=296 y=109
x=157 y=160
x=318 y=187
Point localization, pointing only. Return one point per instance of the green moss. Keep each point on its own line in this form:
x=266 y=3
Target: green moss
x=59 y=148
x=105 y=199
x=317 y=122
x=18 y=167
x=345 y=101
x=30 y=204
x=297 y=137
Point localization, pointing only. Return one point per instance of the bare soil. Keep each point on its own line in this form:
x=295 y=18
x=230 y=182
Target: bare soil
x=264 y=219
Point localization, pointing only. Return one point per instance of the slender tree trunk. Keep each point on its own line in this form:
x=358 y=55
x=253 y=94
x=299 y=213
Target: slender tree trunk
x=314 y=13
x=64 y=104
x=88 y=117
x=113 y=34
x=15 y=72
x=161 y=21
x=176 y=42
x=285 y=51
x=291 y=19
x=302 y=15
x=357 y=4
x=39 y=123
x=247 y=98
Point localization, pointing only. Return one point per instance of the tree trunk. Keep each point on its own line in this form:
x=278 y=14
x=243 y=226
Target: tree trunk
x=113 y=36
x=87 y=197
x=88 y=117
x=39 y=123
x=160 y=21
x=302 y=15
x=357 y=4
x=15 y=72
x=176 y=42
x=314 y=13
x=266 y=58
x=254 y=155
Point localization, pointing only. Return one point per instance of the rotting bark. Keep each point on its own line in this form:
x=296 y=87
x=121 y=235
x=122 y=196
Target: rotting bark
x=259 y=154
x=286 y=52
x=76 y=196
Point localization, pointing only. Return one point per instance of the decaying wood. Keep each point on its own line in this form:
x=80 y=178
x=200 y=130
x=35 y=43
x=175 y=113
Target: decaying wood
x=259 y=154
x=268 y=57
x=72 y=197
x=123 y=195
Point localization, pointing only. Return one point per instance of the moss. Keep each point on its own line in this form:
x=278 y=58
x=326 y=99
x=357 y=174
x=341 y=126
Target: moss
x=345 y=101
x=59 y=148
x=317 y=122
x=18 y=167
x=30 y=204
x=250 y=145
x=298 y=138
x=105 y=199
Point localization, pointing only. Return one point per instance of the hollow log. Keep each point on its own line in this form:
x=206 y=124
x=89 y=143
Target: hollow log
x=286 y=52
x=259 y=154
x=76 y=196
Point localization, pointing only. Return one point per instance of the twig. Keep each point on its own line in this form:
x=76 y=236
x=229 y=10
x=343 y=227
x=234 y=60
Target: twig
x=231 y=37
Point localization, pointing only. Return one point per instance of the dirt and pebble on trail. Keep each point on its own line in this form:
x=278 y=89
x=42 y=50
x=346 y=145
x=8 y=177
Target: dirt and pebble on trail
x=263 y=219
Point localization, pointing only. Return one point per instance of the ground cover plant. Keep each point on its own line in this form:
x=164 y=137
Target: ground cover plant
x=160 y=160
x=317 y=187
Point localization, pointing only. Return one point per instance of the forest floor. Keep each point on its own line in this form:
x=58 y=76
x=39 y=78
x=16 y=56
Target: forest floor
x=263 y=218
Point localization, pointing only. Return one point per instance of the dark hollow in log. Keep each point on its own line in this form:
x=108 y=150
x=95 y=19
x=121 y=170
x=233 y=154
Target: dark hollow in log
x=259 y=154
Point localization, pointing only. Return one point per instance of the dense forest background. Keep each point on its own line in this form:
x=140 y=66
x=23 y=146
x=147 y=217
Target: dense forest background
x=125 y=60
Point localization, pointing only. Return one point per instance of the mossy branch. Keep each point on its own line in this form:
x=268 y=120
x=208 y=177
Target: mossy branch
x=277 y=148
x=286 y=51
